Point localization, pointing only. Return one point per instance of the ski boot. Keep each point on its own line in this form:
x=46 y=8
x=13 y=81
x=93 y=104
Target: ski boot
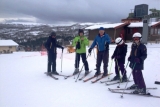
x=139 y=91
x=124 y=78
x=86 y=72
x=104 y=74
x=49 y=73
x=55 y=73
x=76 y=71
x=97 y=73
x=116 y=78
x=134 y=86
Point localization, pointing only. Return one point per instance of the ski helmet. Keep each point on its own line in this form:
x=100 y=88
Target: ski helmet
x=53 y=33
x=137 y=35
x=80 y=31
x=119 y=41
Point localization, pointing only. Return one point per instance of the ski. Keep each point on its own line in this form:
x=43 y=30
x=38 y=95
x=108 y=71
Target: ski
x=157 y=82
x=100 y=78
x=66 y=77
x=130 y=93
x=118 y=82
x=107 y=81
x=131 y=89
x=51 y=76
x=90 y=78
x=85 y=75
x=71 y=75
x=60 y=75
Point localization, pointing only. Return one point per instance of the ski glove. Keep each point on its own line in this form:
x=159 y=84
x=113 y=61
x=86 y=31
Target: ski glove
x=49 y=50
x=107 y=46
x=78 y=46
x=117 y=57
x=137 y=60
x=90 y=50
x=129 y=58
x=112 y=57
x=62 y=48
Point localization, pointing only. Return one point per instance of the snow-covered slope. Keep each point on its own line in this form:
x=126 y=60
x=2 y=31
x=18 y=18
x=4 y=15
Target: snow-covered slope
x=24 y=84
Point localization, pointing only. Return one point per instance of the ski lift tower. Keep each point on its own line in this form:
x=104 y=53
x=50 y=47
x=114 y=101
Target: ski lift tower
x=154 y=14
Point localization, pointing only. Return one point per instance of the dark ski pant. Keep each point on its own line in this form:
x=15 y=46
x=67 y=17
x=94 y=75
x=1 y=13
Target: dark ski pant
x=138 y=78
x=102 y=56
x=119 y=66
x=52 y=62
x=84 y=60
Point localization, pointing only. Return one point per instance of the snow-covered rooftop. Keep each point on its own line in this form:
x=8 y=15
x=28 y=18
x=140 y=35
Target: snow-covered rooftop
x=104 y=25
x=140 y=24
x=8 y=43
x=114 y=25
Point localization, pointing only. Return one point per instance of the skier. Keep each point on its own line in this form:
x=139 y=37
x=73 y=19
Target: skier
x=80 y=42
x=102 y=40
x=119 y=56
x=51 y=46
x=137 y=56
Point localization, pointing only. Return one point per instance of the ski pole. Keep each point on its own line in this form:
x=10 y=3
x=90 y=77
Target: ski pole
x=109 y=72
x=129 y=78
x=94 y=54
x=76 y=55
x=123 y=74
x=61 y=59
x=110 y=68
x=81 y=68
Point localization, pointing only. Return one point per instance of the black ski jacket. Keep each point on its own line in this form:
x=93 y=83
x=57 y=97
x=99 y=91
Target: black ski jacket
x=137 y=51
x=51 y=45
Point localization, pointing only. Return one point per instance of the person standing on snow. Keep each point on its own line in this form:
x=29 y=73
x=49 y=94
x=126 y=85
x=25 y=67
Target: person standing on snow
x=51 y=46
x=102 y=40
x=137 y=56
x=80 y=42
x=119 y=56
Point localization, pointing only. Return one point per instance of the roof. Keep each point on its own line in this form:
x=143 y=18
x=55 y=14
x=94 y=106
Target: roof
x=140 y=24
x=8 y=43
x=155 y=24
x=106 y=26
x=137 y=24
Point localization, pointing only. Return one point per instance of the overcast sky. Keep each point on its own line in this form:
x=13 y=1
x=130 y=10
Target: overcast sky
x=64 y=11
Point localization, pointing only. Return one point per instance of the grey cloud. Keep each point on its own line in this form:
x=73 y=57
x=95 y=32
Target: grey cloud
x=54 y=11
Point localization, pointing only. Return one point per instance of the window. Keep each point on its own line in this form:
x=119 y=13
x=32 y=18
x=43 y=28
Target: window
x=152 y=31
x=10 y=47
x=155 y=32
x=159 y=31
x=130 y=31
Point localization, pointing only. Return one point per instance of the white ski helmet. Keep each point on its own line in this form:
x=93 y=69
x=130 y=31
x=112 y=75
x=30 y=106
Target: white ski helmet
x=137 y=35
x=119 y=41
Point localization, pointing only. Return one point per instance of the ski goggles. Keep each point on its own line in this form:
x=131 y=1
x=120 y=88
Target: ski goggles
x=136 y=38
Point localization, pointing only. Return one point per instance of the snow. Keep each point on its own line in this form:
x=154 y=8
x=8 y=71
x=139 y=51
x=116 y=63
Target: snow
x=27 y=23
x=153 y=23
x=24 y=84
x=8 y=43
x=90 y=23
x=113 y=25
x=140 y=24
x=104 y=25
x=35 y=32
